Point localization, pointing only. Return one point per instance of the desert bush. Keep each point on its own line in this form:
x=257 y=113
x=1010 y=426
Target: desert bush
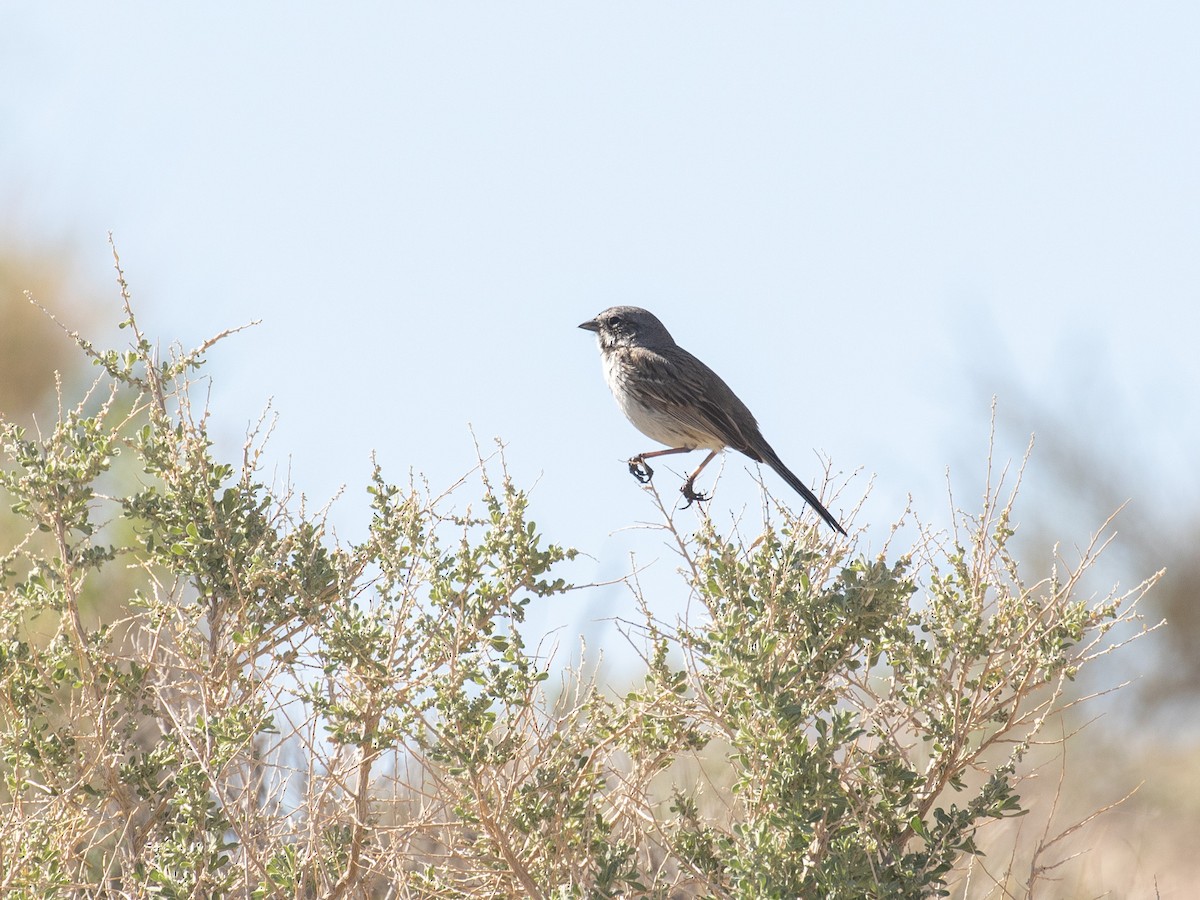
x=264 y=712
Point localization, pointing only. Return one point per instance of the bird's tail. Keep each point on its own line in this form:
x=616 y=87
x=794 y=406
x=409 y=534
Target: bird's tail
x=771 y=458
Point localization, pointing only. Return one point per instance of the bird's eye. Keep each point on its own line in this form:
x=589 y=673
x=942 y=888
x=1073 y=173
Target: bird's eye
x=614 y=322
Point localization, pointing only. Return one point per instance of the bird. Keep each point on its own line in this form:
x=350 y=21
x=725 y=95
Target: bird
x=673 y=398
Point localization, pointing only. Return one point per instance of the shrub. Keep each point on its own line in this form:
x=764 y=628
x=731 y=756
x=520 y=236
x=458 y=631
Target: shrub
x=201 y=694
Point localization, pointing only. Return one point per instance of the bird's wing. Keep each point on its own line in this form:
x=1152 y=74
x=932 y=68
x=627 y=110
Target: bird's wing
x=697 y=397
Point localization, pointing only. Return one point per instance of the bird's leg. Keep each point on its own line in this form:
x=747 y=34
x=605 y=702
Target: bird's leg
x=689 y=487
x=640 y=469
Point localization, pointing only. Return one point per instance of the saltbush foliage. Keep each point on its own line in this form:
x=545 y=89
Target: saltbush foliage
x=203 y=695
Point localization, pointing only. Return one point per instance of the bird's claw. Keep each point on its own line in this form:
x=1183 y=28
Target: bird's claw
x=690 y=495
x=640 y=469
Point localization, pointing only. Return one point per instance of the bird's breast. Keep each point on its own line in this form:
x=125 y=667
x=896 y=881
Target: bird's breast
x=654 y=406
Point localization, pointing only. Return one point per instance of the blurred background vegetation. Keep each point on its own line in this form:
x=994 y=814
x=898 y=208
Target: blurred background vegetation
x=33 y=350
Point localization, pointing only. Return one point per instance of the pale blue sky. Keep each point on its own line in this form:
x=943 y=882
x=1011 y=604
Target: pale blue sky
x=867 y=218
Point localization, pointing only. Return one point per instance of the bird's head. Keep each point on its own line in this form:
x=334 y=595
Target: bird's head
x=629 y=326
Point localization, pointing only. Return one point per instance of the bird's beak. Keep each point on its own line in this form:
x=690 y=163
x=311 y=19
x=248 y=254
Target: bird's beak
x=590 y=325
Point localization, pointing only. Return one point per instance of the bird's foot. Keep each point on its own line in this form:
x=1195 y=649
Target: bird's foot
x=689 y=494
x=640 y=469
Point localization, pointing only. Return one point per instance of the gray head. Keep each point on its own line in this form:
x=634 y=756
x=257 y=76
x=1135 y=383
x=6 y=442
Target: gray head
x=629 y=326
